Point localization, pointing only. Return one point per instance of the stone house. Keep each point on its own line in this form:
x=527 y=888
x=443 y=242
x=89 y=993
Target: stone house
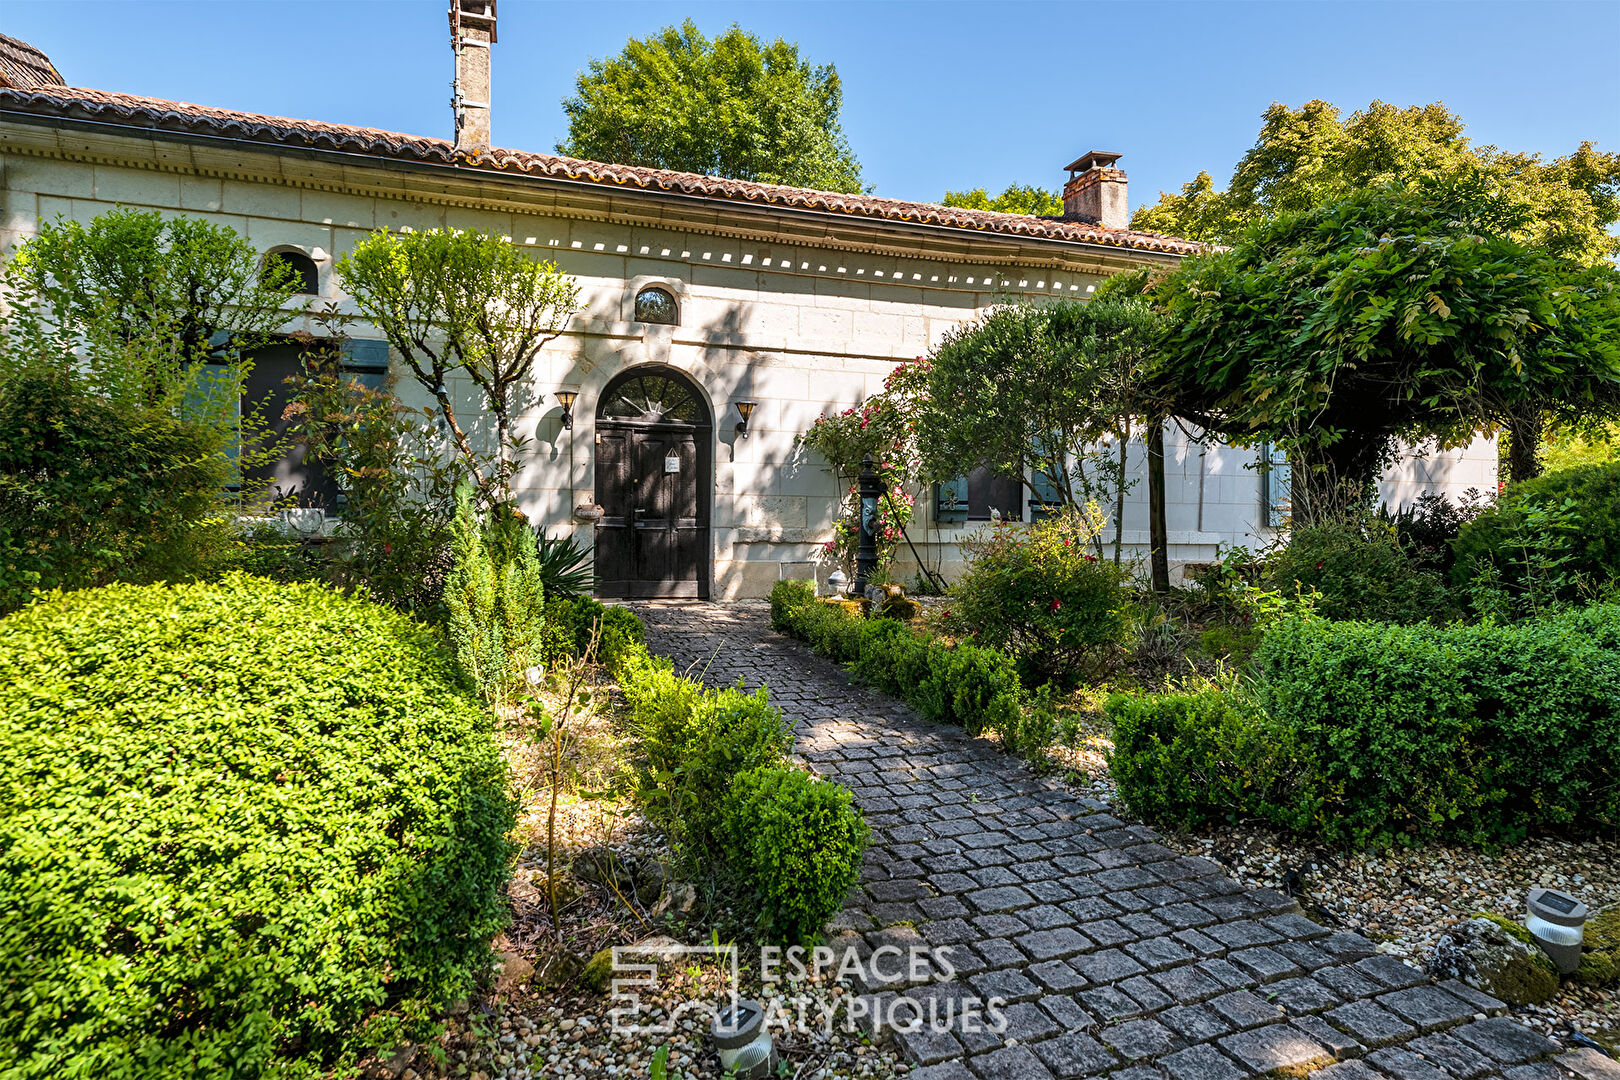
x=720 y=317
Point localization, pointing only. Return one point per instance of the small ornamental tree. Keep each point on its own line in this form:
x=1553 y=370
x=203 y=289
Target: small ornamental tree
x=469 y=303
x=1052 y=389
x=1393 y=314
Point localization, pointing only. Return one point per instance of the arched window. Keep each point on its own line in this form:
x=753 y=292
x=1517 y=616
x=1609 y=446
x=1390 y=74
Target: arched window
x=306 y=277
x=652 y=395
x=655 y=305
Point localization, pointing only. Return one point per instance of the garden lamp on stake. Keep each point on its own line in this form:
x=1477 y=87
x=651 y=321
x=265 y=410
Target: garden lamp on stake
x=870 y=487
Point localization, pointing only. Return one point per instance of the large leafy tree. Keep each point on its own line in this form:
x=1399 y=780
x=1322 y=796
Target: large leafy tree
x=733 y=107
x=1396 y=313
x=1015 y=199
x=463 y=303
x=1312 y=155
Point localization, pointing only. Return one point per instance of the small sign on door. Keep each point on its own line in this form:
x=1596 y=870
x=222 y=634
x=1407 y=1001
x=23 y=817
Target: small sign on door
x=672 y=464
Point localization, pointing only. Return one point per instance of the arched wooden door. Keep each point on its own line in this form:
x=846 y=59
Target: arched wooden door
x=653 y=464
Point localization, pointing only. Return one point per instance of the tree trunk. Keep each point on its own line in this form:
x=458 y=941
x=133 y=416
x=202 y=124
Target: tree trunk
x=1524 y=444
x=1158 y=533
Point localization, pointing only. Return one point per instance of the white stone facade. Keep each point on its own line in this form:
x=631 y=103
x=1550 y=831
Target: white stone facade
x=801 y=313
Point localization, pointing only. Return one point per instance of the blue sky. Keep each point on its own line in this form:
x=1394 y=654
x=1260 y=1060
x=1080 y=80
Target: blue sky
x=936 y=95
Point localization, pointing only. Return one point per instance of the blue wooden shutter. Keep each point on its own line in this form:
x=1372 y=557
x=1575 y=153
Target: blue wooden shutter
x=1276 y=489
x=367 y=361
x=1047 y=497
x=951 y=501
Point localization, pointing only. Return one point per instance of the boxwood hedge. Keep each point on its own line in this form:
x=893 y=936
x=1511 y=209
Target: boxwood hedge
x=246 y=829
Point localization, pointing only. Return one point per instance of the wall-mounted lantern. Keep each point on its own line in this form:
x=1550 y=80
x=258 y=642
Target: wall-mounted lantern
x=745 y=409
x=566 y=399
x=1555 y=922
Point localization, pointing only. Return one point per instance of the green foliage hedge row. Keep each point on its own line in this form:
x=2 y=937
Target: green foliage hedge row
x=1361 y=571
x=1369 y=733
x=717 y=778
x=246 y=829
x=960 y=684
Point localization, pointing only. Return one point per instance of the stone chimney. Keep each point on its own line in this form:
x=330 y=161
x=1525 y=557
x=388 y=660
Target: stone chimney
x=1096 y=191
x=472 y=32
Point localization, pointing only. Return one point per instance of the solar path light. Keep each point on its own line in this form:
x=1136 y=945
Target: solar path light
x=742 y=1042
x=1554 y=921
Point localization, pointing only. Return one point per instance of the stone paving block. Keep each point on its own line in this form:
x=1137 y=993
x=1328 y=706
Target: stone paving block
x=1303 y=953
x=952 y=883
x=1011 y=1063
x=1091 y=908
x=1056 y=975
x=1263 y=964
x=1106 y=966
x=1405 y=1065
x=1000 y=953
x=1540 y=1070
x=1195 y=1023
x=949 y=932
x=925 y=1046
x=1456 y=1057
x=1348 y=1070
x=1201 y=1063
x=950 y=1070
x=1482 y=1002
x=991 y=876
x=1184 y=915
x=1109 y=1003
x=1001 y=925
x=1504 y=1041
x=1138 y=1072
x=1370 y=1024
x=1135 y=1040
x=942 y=907
x=1278 y=1046
x=1146 y=993
x=1187 y=984
x=1074 y=1055
x=1047 y=916
x=1009 y=985
x=1390 y=971
x=1199 y=942
x=1338 y=1043
x=1427 y=1007
x=1026 y=1022
x=1346 y=946
x=1107 y=932
x=1245 y=1010
x=1302 y=995
x=1053 y=944
x=1292 y=925
x=1142 y=924
x=1006 y=898
x=1068 y=1014
x=1588 y=1064
x=1223 y=972
x=1243 y=934
x=1347 y=982
x=1158 y=953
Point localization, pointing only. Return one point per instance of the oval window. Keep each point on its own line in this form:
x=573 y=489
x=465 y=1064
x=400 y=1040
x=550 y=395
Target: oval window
x=655 y=305
x=300 y=271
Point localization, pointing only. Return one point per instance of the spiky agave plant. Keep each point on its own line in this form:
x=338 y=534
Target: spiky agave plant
x=565 y=566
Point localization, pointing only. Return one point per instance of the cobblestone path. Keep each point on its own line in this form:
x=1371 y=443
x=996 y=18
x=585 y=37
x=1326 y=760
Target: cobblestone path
x=1118 y=956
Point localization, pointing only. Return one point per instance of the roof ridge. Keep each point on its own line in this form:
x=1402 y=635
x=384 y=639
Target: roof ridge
x=164 y=115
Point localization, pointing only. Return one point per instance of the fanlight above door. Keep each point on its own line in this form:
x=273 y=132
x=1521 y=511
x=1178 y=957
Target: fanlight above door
x=653 y=398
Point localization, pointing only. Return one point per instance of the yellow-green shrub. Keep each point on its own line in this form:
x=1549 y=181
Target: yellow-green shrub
x=246 y=829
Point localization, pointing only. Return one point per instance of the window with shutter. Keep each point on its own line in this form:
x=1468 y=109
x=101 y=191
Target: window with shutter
x=1047 y=498
x=951 y=501
x=1276 y=496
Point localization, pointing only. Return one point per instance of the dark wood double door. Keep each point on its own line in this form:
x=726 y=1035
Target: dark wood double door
x=652 y=484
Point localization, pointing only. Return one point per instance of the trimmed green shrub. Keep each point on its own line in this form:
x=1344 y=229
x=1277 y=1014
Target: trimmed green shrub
x=958 y=684
x=93 y=492
x=1477 y=733
x=246 y=829
x=569 y=623
x=1361 y=571
x=790 y=596
x=800 y=842
x=1037 y=594
x=1194 y=759
x=695 y=742
x=1552 y=533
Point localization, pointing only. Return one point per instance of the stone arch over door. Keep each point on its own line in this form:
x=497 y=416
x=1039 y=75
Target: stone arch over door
x=654 y=461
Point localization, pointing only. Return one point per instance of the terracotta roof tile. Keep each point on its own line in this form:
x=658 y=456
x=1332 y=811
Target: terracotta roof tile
x=23 y=65
x=129 y=110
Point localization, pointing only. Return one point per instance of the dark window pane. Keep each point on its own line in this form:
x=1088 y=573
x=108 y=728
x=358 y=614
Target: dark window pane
x=654 y=305
x=987 y=490
x=289 y=479
x=306 y=278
